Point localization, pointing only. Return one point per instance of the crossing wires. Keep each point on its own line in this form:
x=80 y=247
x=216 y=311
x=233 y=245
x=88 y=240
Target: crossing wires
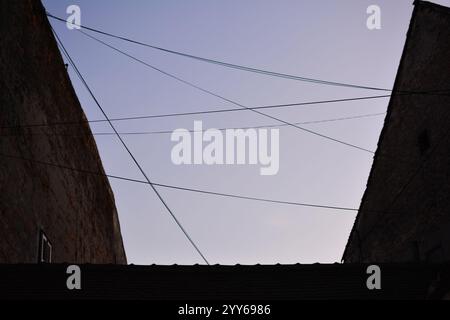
x=136 y=162
x=188 y=83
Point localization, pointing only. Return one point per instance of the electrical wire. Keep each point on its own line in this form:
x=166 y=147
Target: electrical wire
x=193 y=131
x=222 y=63
x=242 y=67
x=194 y=190
x=168 y=115
x=226 y=99
x=130 y=153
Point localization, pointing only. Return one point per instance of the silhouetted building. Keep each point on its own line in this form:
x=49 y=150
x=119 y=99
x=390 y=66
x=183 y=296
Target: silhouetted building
x=405 y=211
x=47 y=211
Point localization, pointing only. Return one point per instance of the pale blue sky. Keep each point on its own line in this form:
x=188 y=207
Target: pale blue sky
x=321 y=39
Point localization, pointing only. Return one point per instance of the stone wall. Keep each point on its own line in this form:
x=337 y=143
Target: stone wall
x=75 y=210
x=405 y=211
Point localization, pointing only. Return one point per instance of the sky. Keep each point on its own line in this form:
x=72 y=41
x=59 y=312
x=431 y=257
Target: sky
x=322 y=39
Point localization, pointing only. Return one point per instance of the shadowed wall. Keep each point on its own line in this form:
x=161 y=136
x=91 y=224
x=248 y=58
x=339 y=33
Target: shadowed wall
x=75 y=210
x=410 y=178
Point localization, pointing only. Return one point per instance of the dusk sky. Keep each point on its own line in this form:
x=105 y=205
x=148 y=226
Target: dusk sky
x=323 y=39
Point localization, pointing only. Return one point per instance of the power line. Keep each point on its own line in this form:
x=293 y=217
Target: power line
x=182 y=188
x=129 y=151
x=254 y=127
x=226 y=99
x=240 y=67
x=222 y=63
x=220 y=129
x=245 y=68
x=200 y=191
x=168 y=115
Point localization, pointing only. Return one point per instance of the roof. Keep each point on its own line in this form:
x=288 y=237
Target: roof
x=257 y=282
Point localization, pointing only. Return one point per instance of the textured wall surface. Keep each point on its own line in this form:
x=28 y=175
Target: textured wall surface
x=76 y=210
x=410 y=178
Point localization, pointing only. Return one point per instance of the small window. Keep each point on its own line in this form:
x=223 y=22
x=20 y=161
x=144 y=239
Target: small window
x=424 y=142
x=45 y=249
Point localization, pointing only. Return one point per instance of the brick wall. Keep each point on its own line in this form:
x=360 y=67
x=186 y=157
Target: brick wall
x=75 y=210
